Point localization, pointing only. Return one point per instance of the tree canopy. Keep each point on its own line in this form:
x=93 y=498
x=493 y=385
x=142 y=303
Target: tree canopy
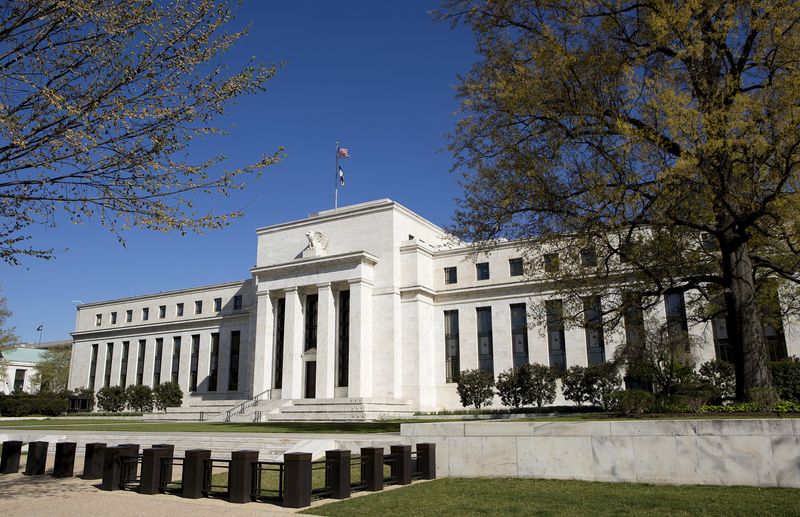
x=661 y=136
x=7 y=336
x=98 y=102
x=52 y=371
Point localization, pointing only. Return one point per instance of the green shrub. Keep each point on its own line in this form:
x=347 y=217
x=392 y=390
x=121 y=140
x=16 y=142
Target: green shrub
x=111 y=399
x=512 y=388
x=527 y=384
x=787 y=406
x=167 y=394
x=737 y=407
x=786 y=376
x=85 y=393
x=721 y=376
x=631 y=402
x=592 y=384
x=764 y=397
x=140 y=398
x=24 y=404
x=542 y=382
x=475 y=388
x=574 y=386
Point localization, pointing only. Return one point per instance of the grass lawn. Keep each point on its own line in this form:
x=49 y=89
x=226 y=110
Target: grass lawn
x=496 y=497
x=96 y=424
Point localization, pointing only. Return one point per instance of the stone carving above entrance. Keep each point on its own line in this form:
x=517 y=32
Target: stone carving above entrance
x=317 y=245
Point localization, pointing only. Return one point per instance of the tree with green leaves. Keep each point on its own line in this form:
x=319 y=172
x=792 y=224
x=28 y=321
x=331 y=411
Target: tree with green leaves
x=475 y=388
x=167 y=394
x=98 y=103
x=8 y=338
x=655 y=146
x=52 y=371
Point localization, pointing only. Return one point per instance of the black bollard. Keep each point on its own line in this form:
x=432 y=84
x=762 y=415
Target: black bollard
x=297 y=479
x=170 y=453
x=194 y=472
x=64 y=465
x=339 y=466
x=426 y=460
x=9 y=461
x=93 y=463
x=150 y=480
x=372 y=468
x=240 y=476
x=112 y=467
x=37 y=459
x=401 y=466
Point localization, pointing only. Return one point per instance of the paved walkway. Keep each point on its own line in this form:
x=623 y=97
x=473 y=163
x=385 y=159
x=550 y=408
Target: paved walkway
x=45 y=495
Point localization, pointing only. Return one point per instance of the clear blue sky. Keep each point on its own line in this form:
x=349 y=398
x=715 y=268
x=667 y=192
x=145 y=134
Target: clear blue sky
x=377 y=76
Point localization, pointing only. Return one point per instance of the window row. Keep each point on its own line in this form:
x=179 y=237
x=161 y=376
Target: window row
x=551 y=262
x=144 y=350
x=554 y=323
x=162 y=311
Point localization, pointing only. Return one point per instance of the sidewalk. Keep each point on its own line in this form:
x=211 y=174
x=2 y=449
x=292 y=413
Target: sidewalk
x=45 y=495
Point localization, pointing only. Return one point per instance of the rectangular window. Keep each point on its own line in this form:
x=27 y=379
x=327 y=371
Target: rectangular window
x=485 y=346
x=113 y=318
x=98 y=320
x=198 y=307
x=312 y=301
x=162 y=311
x=519 y=334
x=555 y=334
x=19 y=379
x=482 y=271
x=634 y=319
x=280 y=318
x=193 y=363
x=128 y=316
x=157 y=361
x=140 y=362
x=213 y=363
x=233 y=377
x=450 y=275
x=593 y=325
x=217 y=304
x=123 y=368
x=93 y=367
x=179 y=310
x=677 y=326
x=452 y=366
x=722 y=346
x=109 y=358
x=342 y=377
x=551 y=264
x=145 y=314
x=588 y=257
x=237 y=302
x=176 y=358
x=515 y=267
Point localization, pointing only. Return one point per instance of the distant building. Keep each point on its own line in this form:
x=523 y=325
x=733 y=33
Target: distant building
x=369 y=306
x=20 y=369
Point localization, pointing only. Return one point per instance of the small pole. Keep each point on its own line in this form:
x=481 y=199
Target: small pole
x=336 y=180
x=40 y=332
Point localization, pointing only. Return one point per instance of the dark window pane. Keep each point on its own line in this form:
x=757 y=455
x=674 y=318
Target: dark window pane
x=451 y=346
x=280 y=318
x=519 y=334
x=482 y=270
x=593 y=325
x=515 y=267
x=555 y=334
x=342 y=377
x=485 y=345
x=312 y=301
x=551 y=264
x=450 y=275
x=233 y=377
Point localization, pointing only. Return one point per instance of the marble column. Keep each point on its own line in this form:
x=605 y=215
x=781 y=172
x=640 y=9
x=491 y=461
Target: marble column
x=360 y=365
x=116 y=362
x=326 y=342
x=263 y=344
x=293 y=347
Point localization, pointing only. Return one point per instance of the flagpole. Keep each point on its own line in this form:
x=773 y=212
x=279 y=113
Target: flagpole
x=336 y=180
x=40 y=332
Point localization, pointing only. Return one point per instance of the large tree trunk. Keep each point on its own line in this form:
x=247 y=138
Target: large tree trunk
x=745 y=331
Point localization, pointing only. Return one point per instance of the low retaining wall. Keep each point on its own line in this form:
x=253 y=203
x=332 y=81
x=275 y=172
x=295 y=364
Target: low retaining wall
x=757 y=452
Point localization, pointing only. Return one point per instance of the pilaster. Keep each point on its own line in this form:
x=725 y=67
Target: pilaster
x=360 y=382
x=263 y=343
x=326 y=342
x=293 y=347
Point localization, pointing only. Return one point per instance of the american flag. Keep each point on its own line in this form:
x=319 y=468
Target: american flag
x=344 y=152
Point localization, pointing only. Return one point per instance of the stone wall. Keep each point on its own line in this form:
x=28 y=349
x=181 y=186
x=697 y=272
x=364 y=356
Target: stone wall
x=757 y=452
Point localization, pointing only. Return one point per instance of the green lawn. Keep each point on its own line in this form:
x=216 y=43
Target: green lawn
x=498 y=497
x=95 y=424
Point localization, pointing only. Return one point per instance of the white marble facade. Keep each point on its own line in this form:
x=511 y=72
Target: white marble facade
x=363 y=285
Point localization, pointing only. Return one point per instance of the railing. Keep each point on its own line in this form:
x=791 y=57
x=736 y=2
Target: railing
x=202 y=417
x=129 y=475
x=268 y=481
x=416 y=470
x=321 y=471
x=257 y=416
x=389 y=461
x=359 y=484
x=252 y=401
x=166 y=484
x=209 y=488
